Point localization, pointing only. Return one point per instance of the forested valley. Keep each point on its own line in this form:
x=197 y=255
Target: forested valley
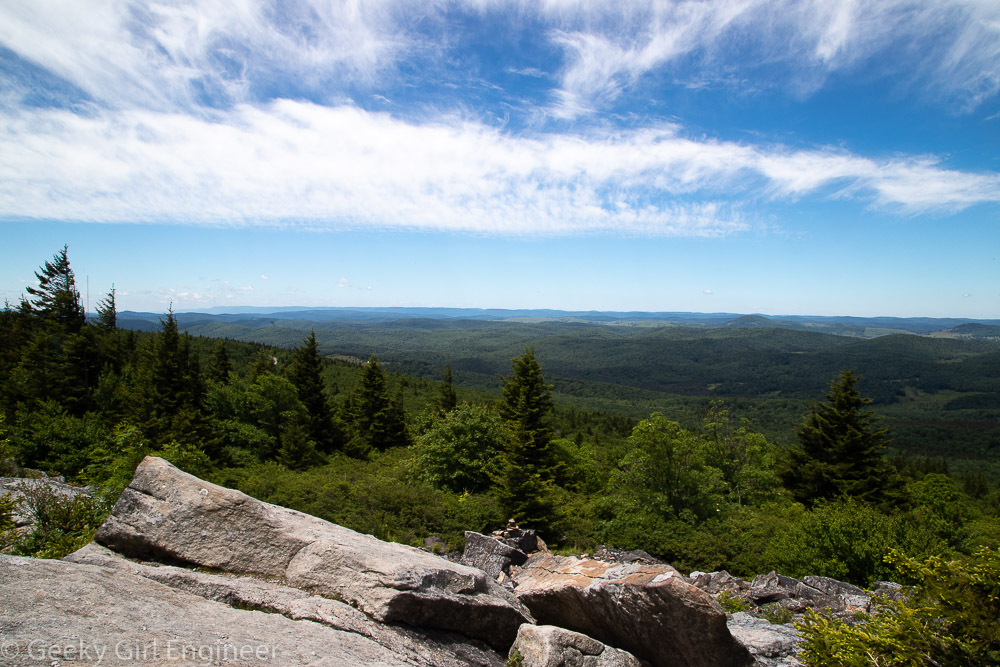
x=812 y=478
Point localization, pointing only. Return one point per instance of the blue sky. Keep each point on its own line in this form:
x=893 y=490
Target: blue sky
x=783 y=157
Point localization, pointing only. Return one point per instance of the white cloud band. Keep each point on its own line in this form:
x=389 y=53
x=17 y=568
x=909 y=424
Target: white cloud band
x=295 y=163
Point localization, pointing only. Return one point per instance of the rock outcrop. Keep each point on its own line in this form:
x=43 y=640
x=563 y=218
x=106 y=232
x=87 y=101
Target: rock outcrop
x=650 y=611
x=170 y=516
x=549 y=646
x=56 y=611
x=187 y=572
x=775 y=595
x=409 y=645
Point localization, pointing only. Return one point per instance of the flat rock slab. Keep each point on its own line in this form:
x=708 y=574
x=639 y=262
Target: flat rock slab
x=648 y=610
x=416 y=647
x=57 y=612
x=549 y=646
x=168 y=515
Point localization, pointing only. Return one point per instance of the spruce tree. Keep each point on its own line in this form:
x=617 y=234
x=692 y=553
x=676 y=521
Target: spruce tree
x=219 y=365
x=306 y=373
x=447 y=399
x=168 y=385
x=297 y=451
x=56 y=298
x=378 y=422
x=841 y=450
x=525 y=483
x=107 y=312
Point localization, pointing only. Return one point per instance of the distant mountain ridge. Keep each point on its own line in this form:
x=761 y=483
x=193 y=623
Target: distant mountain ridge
x=860 y=327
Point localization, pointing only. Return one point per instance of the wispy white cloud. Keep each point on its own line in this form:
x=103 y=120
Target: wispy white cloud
x=185 y=54
x=183 y=125
x=946 y=49
x=170 y=54
x=296 y=163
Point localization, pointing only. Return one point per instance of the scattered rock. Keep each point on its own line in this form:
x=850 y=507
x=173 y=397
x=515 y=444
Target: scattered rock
x=718 y=582
x=490 y=554
x=647 y=610
x=524 y=540
x=771 y=645
x=170 y=516
x=772 y=587
x=889 y=589
x=851 y=597
x=549 y=646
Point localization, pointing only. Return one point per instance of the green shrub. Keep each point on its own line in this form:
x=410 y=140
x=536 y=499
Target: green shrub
x=732 y=603
x=61 y=524
x=951 y=619
x=8 y=535
x=775 y=614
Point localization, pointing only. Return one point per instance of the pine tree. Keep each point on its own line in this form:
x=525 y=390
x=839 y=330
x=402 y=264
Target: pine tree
x=306 y=373
x=56 y=298
x=525 y=483
x=841 y=450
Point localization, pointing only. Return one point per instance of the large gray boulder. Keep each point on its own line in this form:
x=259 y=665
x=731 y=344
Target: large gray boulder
x=56 y=611
x=648 y=610
x=411 y=645
x=549 y=646
x=170 y=516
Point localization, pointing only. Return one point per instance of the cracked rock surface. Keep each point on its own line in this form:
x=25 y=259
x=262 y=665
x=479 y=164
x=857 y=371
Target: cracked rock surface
x=55 y=611
x=649 y=610
x=170 y=516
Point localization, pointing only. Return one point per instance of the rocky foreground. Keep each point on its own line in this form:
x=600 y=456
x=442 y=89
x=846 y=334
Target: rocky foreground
x=185 y=572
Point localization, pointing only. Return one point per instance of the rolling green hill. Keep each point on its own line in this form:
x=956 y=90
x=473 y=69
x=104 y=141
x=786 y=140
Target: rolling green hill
x=938 y=394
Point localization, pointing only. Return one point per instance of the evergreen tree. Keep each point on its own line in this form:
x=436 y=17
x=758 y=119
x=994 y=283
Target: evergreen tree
x=56 y=298
x=306 y=373
x=297 y=451
x=447 y=399
x=841 y=448
x=219 y=365
x=168 y=385
x=176 y=389
x=107 y=312
x=378 y=422
x=525 y=483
